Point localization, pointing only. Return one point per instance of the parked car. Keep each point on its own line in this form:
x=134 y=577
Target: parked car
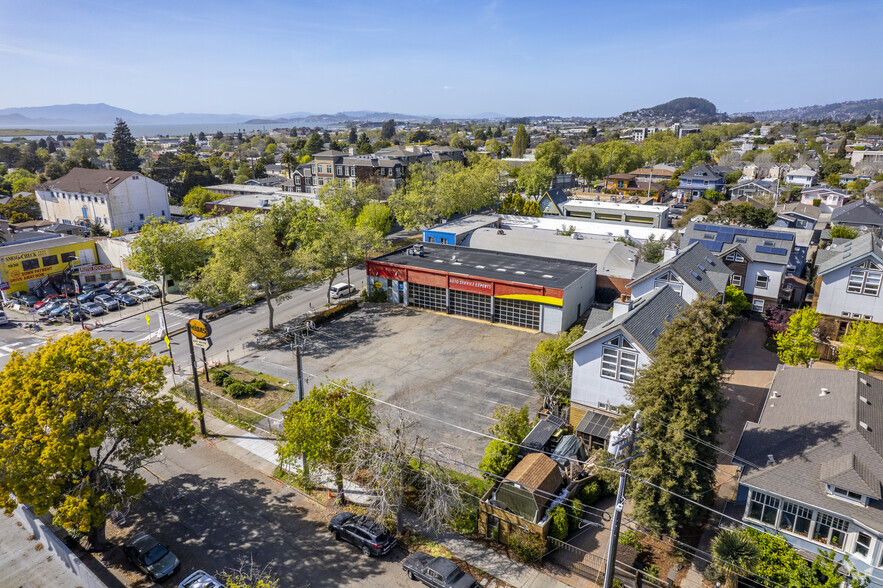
x=200 y=579
x=91 y=294
x=92 y=308
x=151 y=556
x=122 y=285
x=47 y=308
x=71 y=310
x=112 y=284
x=124 y=298
x=47 y=300
x=3 y=319
x=108 y=302
x=363 y=532
x=437 y=572
x=27 y=300
x=152 y=288
x=140 y=295
x=340 y=290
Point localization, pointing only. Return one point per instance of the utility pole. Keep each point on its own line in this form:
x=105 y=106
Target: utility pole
x=622 y=445
x=300 y=390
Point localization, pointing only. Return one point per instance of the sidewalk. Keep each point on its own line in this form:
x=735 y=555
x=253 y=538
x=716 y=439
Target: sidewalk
x=260 y=453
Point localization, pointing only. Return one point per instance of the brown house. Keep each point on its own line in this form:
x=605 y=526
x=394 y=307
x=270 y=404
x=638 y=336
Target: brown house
x=628 y=184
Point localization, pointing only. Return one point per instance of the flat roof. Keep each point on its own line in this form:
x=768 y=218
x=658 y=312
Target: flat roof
x=465 y=224
x=587 y=228
x=491 y=265
x=607 y=205
x=242 y=188
x=55 y=240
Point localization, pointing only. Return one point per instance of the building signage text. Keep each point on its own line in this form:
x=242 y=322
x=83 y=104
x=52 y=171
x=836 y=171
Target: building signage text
x=472 y=284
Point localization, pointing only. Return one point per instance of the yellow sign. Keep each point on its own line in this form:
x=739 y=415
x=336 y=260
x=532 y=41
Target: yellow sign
x=147 y=317
x=28 y=255
x=168 y=343
x=199 y=329
x=378 y=285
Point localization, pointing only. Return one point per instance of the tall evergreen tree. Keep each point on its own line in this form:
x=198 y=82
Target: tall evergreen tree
x=353 y=137
x=124 y=156
x=519 y=145
x=388 y=129
x=681 y=407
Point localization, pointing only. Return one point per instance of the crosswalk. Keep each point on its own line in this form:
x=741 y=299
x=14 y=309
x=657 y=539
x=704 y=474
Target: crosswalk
x=6 y=348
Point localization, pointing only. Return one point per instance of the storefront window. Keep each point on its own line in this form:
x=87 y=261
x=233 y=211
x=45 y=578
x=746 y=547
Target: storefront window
x=49 y=260
x=30 y=264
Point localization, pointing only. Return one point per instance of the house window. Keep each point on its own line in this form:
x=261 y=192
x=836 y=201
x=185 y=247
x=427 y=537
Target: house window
x=141 y=216
x=328 y=168
x=619 y=361
x=735 y=257
x=352 y=170
x=382 y=171
x=668 y=279
x=737 y=280
x=85 y=212
x=862 y=544
x=865 y=279
x=340 y=170
x=762 y=282
x=763 y=507
x=830 y=530
x=795 y=519
x=839 y=492
x=757 y=304
x=297 y=180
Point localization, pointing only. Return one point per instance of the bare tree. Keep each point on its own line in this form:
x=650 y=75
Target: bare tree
x=394 y=460
x=731 y=159
x=764 y=163
x=249 y=575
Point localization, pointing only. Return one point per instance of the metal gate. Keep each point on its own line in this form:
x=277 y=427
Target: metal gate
x=428 y=297
x=520 y=313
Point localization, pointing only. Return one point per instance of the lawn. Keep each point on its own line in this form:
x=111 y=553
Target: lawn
x=263 y=401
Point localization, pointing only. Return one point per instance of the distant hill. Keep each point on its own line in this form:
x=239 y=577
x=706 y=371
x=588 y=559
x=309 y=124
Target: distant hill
x=308 y=119
x=103 y=114
x=679 y=108
x=850 y=110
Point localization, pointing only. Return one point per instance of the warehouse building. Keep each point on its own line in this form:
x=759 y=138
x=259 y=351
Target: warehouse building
x=536 y=293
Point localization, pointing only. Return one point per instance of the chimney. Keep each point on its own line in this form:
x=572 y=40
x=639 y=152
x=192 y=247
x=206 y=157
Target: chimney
x=622 y=305
x=669 y=252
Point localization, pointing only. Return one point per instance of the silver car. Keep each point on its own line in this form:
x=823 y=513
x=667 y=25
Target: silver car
x=141 y=295
x=108 y=302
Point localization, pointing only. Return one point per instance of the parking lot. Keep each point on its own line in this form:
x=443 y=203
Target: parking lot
x=449 y=370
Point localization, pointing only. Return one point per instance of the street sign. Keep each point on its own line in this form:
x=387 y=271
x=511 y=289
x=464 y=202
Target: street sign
x=4 y=285
x=168 y=343
x=202 y=343
x=147 y=318
x=199 y=329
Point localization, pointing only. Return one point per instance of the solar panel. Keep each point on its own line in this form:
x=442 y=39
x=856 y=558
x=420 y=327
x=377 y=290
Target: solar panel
x=771 y=250
x=701 y=227
x=713 y=245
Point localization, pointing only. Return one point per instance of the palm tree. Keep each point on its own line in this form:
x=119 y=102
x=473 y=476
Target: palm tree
x=734 y=552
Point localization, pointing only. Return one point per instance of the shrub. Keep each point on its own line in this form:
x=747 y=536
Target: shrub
x=332 y=313
x=560 y=526
x=593 y=491
x=258 y=384
x=527 y=546
x=817 y=202
x=220 y=378
x=652 y=570
x=577 y=508
x=237 y=389
x=630 y=538
x=373 y=294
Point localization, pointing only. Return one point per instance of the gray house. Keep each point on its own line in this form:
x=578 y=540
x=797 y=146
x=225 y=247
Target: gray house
x=861 y=214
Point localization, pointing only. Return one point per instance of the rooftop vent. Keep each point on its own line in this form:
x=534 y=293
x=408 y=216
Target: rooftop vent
x=864 y=399
x=548 y=276
x=519 y=272
x=864 y=381
x=824 y=392
x=501 y=269
x=776 y=394
x=864 y=425
x=770 y=460
x=479 y=267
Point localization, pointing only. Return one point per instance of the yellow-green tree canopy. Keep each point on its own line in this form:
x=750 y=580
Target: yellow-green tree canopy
x=797 y=343
x=78 y=417
x=166 y=250
x=862 y=347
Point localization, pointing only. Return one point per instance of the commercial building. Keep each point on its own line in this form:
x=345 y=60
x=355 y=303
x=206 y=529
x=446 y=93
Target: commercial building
x=619 y=212
x=40 y=263
x=525 y=291
x=118 y=200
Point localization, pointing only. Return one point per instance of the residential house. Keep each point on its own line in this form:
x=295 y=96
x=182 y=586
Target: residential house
x=627 y=184
x=861 y=214
x=118 y=200
x=824 y=197
x=759 y=260
x=564 y=181
x=551 y=202
x=796 y=215
x=608 y=356
x=812 y=465
x=874 y=190
x=658 y=173
x=803 y=177
x=858 y=157
x=847 y=287
x=337 y=167
x=699 y=180
x=688 y=271
x=753 y=188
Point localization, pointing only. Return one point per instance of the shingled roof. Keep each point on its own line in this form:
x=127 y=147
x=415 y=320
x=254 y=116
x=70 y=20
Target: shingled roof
x=88 y=181
x=696 y=266
x=849 y=252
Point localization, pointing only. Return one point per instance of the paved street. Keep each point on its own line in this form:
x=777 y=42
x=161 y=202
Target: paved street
x=15 y=339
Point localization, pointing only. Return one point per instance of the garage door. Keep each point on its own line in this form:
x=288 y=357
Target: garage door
x=521 y=313
x=428 y=297
x=471 y=305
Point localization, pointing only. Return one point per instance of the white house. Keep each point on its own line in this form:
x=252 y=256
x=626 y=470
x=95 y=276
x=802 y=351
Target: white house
x=849 y=278
x=607 y=357
x=803 y=177
x=687 y=271
x=119 y=200
x=829 y=198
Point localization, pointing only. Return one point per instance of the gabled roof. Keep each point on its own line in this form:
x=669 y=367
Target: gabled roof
x=330 y=153
x=88 y=181
x=803 y=172
x=642 y=324
x=760 y=244
x=558 y=197
x=860 y=212
x=705 y=171
x=798 y=208
x=711 y=280
x=819 y=427
x=539 y=474
x=849 y=253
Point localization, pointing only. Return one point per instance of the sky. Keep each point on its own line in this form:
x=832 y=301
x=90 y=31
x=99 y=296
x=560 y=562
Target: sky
x=437 y=57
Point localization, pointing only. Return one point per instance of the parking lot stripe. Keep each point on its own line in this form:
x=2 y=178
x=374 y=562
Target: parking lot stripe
x=505 y=376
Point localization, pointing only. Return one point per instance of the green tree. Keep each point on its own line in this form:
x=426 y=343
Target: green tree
x=861 y=348
x=551 y=368
x=553 y=153
x=735 y=300
x=314 y=145
x=246 y=252
x=735 y=554
x=376 y=216
x=535 y=177
x=196 y=199
x=560 y=524
x=83 y=148
x=388 y=129
x=21 y=209
x=81 y=416
x=511 y=427
x=352 y=138
x=532 y=208
x=124 y=156
x=681 y=407
x=695 y=208
x=520 y=143
x=166 y=251
x=96 y=229
x=652 y=250
x=585 y=161
x=322 y=425
x=843 y=232
x=797 y=343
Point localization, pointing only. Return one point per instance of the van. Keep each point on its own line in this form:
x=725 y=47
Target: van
x=3 y=319
x=152 y=288
x=340 y=290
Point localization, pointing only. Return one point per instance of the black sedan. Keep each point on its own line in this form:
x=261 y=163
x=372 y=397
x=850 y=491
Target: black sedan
x=151 y=556
x=437 y=572
x=363 y=532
